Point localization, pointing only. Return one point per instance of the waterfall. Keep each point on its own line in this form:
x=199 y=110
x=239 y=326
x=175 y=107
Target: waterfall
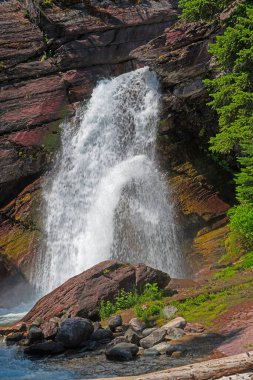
x=106 y=198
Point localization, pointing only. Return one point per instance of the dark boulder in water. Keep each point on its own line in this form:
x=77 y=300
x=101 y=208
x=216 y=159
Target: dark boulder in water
x=74 y=331
x=81 y=295
x=45 y=348
x=121 y=351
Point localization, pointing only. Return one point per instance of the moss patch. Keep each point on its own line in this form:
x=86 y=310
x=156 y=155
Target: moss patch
x=206 y=307
x=17 y=241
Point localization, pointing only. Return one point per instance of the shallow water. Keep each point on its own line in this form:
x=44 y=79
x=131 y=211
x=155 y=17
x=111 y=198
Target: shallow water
x=13 y=365
x=81 y=364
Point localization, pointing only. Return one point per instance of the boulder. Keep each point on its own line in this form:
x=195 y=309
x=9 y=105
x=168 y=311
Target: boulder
x=169 y=312
x=102 y=335
x=137 y=325
x=133 y=337
x=45 y=348
x=154 y=338
x=178 y=322
x=114 y=322
x=121 y=351
x=81 y=295
x=14 y=337
x=148 y=331
x=151 y=352
x=174 y=333
x=74 y=331
x=162 y=348
x=35 y=334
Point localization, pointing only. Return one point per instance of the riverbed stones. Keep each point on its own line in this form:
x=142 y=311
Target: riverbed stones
x=115 y=321
x=151 y=352
x=162 y=348
x=74 y=331
x=178 y=322
x=102 y=335
x=148 y=331
x=35 y=334
x=121 y=351
x=174 y=333
x=133 y=337
x=45 y=348
x=137 y=325
x=154 y=338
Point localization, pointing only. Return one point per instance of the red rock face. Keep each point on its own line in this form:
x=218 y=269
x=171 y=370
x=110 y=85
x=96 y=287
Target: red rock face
x=44 y=70
x=81 y=295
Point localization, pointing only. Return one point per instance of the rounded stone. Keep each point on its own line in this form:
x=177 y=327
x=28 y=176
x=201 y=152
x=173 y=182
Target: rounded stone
x=114 y=322
x=74 y=331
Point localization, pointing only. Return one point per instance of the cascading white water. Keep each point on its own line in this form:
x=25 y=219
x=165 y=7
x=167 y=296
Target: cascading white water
x=107 y=198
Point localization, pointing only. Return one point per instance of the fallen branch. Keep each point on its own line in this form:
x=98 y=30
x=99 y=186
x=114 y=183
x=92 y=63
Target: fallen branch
x=211 y=369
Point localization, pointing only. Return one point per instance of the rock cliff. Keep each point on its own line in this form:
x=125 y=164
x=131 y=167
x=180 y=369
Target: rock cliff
x=47 y=65
x=50 y=62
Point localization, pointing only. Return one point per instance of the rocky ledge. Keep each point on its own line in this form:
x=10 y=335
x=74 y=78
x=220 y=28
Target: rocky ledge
x=81 y=295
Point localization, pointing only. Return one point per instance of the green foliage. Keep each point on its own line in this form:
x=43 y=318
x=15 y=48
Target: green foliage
x=125 y=300
x=232 y=98
x=241 y=221
x=244 y=179
x=194 y=10
x=106 y=309
x=149 y=313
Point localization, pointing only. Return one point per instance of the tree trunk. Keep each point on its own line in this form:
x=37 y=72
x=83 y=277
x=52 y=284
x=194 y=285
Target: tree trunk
x=212 y=369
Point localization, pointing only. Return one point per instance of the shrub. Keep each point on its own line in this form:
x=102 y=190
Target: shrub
x=194 y=10
x=149 y=313
x=125 y=300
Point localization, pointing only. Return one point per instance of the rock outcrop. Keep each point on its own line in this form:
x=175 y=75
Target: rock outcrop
x=81 y=295
x=47 y=65
x=181 y=58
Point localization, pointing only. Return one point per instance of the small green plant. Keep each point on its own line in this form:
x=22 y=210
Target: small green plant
x=106 y=309
x=46 y=55
x=150 y=313
x=45 y=39
x=126 y=300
